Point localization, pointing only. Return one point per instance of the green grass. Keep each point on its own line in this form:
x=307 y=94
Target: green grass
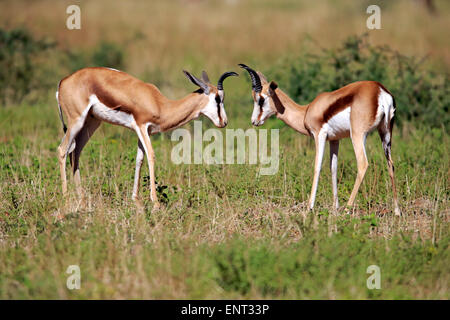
x=223 y=232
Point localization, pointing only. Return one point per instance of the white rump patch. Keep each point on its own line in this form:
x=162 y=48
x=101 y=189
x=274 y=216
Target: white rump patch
x=385 y=107
x=107 y=114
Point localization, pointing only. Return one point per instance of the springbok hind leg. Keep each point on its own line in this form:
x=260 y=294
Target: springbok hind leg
x=386 y=138
x=89 y=127
x=63 y=150
x=359 y=141
x=67 y=145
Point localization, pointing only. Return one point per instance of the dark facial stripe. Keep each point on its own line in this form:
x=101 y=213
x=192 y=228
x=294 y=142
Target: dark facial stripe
x=261 y=101
x=218 y=107
x=261 y=104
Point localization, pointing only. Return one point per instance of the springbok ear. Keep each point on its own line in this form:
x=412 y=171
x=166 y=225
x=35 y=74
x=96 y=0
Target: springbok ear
x=205 y=77
x=197 y=82
x=262 y=77
x=272 y=86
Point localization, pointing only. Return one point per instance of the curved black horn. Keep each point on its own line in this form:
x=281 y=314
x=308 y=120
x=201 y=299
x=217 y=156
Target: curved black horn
x=223 y=77
x=256 y=81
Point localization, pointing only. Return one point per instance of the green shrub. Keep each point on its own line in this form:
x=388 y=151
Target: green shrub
x=20 y=57
x=29 y=70
x=105 y=54
x=421 y=93
x=108 y=54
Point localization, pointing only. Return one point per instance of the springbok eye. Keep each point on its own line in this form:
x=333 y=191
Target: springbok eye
x=217 y=99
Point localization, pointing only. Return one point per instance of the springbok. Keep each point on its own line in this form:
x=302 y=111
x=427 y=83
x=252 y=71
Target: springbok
x=351 y=111
x=92 y=95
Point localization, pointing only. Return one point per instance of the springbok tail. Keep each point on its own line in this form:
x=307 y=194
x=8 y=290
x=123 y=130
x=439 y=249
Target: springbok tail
x=60 y=111
x=392 y=114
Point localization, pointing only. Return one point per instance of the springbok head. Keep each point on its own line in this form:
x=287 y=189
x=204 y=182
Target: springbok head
x=214 y=108
x=263 y=93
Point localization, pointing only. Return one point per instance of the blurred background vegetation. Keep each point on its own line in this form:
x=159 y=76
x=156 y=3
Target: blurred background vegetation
x=308 y=47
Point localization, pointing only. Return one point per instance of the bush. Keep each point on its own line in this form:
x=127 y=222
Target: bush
x=421 y=94
x=20 y=54
x=106 y=54
x=29 y=70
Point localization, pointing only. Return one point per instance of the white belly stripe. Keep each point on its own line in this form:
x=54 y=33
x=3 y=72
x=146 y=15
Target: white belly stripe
x=110 y=115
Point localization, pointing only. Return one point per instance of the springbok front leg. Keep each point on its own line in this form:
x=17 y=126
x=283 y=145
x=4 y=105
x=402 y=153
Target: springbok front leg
x=359 y=141
x=334 y=149
x=137 y=172
x=320 y=141
x=144 y=136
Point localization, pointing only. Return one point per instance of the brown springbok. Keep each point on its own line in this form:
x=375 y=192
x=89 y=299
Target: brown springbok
x=351 y=111
x=92 y=95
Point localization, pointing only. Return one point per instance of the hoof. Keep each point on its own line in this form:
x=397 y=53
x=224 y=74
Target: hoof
x=156 y=206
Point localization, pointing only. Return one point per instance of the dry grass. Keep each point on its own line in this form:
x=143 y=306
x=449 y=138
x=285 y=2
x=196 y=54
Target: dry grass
x=127 y=251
